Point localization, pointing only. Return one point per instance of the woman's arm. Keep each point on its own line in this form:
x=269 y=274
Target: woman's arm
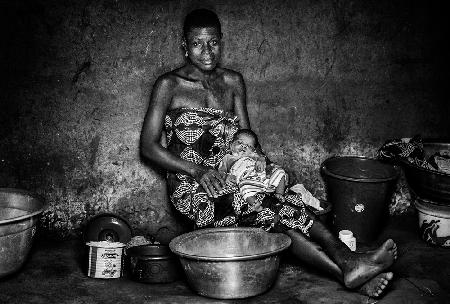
x=240 y=101
x=152 y=130
x=151 y=148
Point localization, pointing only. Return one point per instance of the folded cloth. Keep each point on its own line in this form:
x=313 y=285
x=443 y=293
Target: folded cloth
x=307 y=197
x=139 y=240
x=441 y=162
x=405 y=149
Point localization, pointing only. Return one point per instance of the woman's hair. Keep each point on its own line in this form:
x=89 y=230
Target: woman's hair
x=249 y=133
x=201 y=18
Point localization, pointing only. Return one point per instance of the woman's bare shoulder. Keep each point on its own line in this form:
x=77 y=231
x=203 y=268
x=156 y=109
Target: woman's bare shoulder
x=232 y=76
x=169 y=79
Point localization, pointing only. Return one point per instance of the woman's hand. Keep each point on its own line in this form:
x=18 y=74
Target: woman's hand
x=211 y=180
x=231 y=179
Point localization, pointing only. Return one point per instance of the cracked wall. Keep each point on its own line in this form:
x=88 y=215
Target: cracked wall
x=323 y=78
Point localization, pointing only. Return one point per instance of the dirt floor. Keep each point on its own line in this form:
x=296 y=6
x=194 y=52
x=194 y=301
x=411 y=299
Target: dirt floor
x=54 y=273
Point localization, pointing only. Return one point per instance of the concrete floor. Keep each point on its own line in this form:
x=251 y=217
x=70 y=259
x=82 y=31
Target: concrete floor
x=54 y=274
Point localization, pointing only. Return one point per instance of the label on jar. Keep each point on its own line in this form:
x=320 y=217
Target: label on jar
x=359 y=207
x=346 y=236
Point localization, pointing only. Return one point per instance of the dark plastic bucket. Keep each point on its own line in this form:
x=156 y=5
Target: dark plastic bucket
x=359 y=190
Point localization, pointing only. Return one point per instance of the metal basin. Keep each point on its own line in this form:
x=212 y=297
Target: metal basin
x=230 y=263
x=19 y=213
x=429 y=184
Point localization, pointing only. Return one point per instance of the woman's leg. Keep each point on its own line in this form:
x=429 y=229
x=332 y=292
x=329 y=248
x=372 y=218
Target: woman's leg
x=354 y=270
x=281 y=187
x=312 y=254
x=357 y=268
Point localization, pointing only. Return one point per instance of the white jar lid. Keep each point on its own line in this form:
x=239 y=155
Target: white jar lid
x=105 y=244
x=345 y=234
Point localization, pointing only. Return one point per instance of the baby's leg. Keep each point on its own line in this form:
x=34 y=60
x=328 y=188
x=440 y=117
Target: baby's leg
x=281 y=188
x=278 y=179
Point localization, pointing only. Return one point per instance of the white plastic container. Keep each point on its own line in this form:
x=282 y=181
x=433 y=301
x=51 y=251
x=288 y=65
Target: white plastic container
x=346 y=236
x=434 y=222
x=105 y=259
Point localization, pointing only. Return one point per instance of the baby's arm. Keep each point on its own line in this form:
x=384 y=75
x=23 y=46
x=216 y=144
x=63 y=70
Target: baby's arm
x=260 y=160
x=231 y=179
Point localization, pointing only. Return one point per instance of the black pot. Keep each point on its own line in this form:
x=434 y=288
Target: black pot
x=153 y=263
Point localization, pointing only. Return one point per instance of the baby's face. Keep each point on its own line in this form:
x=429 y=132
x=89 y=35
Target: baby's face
x=243 y=145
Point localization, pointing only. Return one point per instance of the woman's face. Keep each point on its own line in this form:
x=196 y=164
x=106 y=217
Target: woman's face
x=203 y=46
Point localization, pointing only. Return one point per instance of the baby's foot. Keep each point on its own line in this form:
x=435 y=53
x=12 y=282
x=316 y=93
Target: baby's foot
x=362 y=267
x=376 y=286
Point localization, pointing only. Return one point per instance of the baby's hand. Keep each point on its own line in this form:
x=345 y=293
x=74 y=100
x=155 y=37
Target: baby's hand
x=271 y=167
x=260 y=164
x=231 y=179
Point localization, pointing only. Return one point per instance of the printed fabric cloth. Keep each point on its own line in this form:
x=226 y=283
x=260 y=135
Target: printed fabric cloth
x=203 y=136
x=411 y=150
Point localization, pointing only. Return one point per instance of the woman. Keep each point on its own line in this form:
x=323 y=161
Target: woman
x=198 y=107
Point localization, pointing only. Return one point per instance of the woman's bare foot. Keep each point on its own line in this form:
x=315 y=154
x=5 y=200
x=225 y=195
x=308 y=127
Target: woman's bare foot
x=376 y=286
x=360 y=268
x=394 y=251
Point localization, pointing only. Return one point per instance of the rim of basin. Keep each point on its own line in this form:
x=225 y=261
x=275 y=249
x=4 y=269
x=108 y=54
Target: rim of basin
x=176 y=242
x=30 y=196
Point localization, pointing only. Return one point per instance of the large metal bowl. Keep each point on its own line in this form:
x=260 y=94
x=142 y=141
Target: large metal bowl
x=428 y=184
x=19 y=213
x=230 y=263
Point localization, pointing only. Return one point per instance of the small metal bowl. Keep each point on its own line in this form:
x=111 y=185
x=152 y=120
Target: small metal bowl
x=153 y=263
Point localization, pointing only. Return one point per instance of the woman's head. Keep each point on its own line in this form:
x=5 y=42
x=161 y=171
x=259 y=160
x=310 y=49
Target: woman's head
x=201 y=18
x=202 y=38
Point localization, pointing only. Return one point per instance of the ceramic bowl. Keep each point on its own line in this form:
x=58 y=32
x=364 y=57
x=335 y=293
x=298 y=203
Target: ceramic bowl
x=434 y=222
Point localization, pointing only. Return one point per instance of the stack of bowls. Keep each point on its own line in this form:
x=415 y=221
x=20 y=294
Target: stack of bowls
x=431 y=193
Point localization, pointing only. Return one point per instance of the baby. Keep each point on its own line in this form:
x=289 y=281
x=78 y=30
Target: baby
x=240 y=166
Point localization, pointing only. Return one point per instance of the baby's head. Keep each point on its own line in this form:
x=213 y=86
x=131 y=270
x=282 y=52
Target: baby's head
x=244 y=142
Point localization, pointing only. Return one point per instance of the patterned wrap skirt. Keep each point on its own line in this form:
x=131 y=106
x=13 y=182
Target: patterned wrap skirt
x=203 y=136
